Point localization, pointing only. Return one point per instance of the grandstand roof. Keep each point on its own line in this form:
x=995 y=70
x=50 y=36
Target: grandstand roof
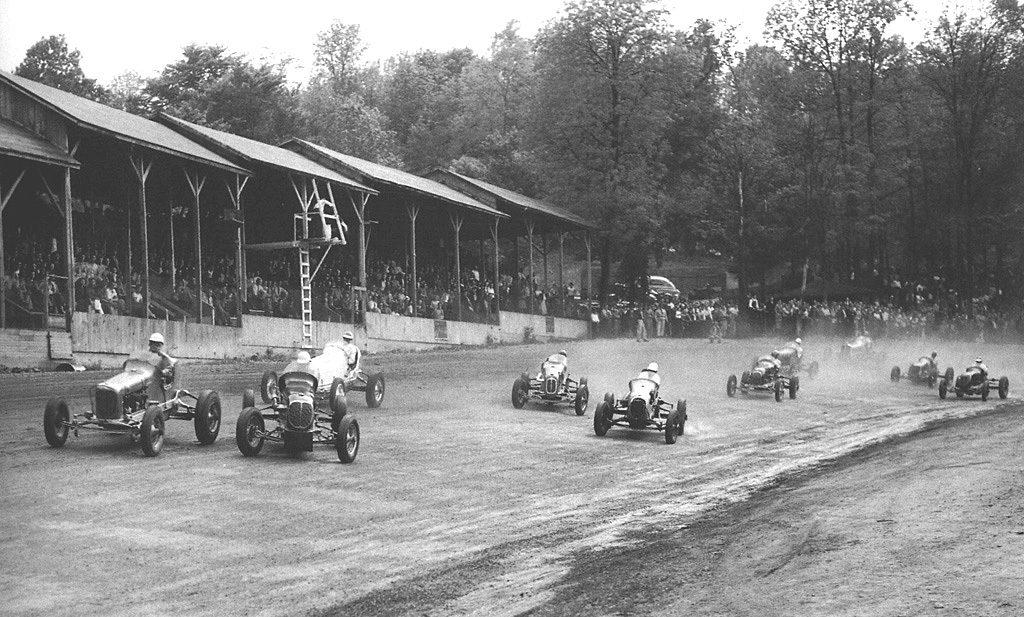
x=513 y=202
x=21 y=143
x=372 y=173
x=118 y=124
x=258 y=151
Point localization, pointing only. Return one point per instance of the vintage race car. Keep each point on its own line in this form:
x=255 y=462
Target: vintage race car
x=791 y=357
x=859 y=346
x=764 y=377
x=552 y=385
x=303 y=414
x=972 y=382
x=137 y=402
x=642 y=408
x=924 y=371
x=329 y=366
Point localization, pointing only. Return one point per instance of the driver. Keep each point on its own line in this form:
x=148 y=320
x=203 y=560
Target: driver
x=166 y=364
x=651 y=372
x=980 y=366
x=351 y=352
x=558 y=361
x=797 y=344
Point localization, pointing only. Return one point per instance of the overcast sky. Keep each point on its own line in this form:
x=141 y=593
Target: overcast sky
x=115 y=36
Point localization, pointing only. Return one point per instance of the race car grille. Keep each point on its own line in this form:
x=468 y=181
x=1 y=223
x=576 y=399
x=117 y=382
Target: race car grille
x=637 y=413
x=550 y=385
x=108 y=404
x=299 y=416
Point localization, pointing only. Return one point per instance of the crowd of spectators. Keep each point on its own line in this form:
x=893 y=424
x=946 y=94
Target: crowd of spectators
x=34 y=275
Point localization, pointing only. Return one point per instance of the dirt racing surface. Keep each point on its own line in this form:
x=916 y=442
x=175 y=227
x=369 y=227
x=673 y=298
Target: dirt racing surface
x=459 y=504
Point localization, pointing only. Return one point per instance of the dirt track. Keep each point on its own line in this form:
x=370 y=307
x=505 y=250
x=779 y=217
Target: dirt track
x=457 y=502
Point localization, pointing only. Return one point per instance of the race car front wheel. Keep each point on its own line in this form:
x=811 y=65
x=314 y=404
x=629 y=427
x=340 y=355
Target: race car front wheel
x=55 y=418
x=152 y=431
x=602 y=419
x=248 y=431
x=207 y=420
x=582 y=398
x=347 y=439
x=1004 y=387
x=374 y=390
x=730 y=386
x=520 y=392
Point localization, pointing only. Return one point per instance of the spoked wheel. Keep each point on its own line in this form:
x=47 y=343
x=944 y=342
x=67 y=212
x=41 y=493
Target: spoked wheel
x=208 y=414
x=943 y=388
x=672 y=427
x=337 y=399
x=152 y=431
x=582 y=397
x=894 y=374
x=55 y=420
x=730 y=386
x=268 y=386
x=520 y=392
x=248 y=432
x=1004 y=387
x=374 y=390
x=347 y=439
x=778 y=390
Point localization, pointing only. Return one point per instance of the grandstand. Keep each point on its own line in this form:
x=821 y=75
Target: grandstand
x=114 y=225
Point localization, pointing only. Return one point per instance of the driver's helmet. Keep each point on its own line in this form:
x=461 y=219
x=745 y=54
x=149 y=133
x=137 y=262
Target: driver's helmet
x=348 y=336
x=978 y=361
x=775 y=354
x=563 y=353
x=303 y=357
x=934 y=354
x=798 y=341
x=652 y=367
x=156 y=337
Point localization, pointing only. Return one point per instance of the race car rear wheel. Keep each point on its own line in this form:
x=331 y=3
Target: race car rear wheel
x=1004 y=387
x=794 y=386
x=672 y=427
x=602 y=420
x=208 y=415
x=778 y=390
x=346 y=439
x=894 y=374
x=249 y=398
x=374 y=390
x=943 y=388
x=582 y=398
x=984 y=391
x=336 y=399
x=247 y=432
x=520 y=392
x=54 y=419
x=152 y=431
x=730 y=386
x=268 y=386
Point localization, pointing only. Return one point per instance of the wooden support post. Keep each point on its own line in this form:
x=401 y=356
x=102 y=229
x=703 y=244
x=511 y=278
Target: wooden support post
x=544 y=244
x=497 y=273
x=174 y=266
x=561 y=272
x=196 y=183
x=69 y=251
x=529 y=240
x=590 y=274
x=413 y=211
x=4 y=198
x=457 y=220
x=141 y=168
x=235 y=194
x=360 y=209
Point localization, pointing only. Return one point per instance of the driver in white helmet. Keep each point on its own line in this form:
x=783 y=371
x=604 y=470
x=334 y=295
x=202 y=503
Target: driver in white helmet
x=980 y=366
x=351 y=352
x=798 y=345
x=166 y=363
x=651 y=372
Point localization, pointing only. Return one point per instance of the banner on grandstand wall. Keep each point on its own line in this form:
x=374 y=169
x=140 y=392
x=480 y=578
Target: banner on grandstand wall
x=440 y=329
x=549 y=325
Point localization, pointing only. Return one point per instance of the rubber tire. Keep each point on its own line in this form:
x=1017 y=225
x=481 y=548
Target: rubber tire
x=346 y=427
x=949 y=374
x=984 y=392
x=249 y=418
x=794 y=386
x=1004 y=387
x=681 y=409
x=336 y=399
x=208 y=417
x=268 y=386
x=601 y=424
x=338 y=413
x=371 y=390
x=609 y=398
x=520 y=392
x=894 y=374
x=672 y=427
x=152 y=421
x=249 y=398
x=778 y=390
x=57 y=412
x=943 y=389
x=730 y=386
x=582 y=398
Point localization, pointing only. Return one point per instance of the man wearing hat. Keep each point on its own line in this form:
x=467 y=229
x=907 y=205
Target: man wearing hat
x=351 y=351
x=166 y=364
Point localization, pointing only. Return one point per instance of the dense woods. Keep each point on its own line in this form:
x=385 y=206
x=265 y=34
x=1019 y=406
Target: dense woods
x=834 y=152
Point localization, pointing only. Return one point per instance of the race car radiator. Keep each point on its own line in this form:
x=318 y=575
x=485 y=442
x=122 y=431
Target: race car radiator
x=299 y=416
x=108 y=403
x=550 y=385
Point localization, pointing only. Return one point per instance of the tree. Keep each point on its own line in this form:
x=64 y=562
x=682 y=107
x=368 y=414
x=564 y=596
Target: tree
x=127 y=92
x=336 y=57
x=49 y=61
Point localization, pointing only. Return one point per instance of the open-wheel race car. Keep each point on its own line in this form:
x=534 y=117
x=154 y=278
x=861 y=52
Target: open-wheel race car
x=764 y=376
x=924 y=371
x=975 y=382
x=860 y=347
x=137 y=402
x=641 y=408
x=303 y=414
x=330 y=366
x=552 y=385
